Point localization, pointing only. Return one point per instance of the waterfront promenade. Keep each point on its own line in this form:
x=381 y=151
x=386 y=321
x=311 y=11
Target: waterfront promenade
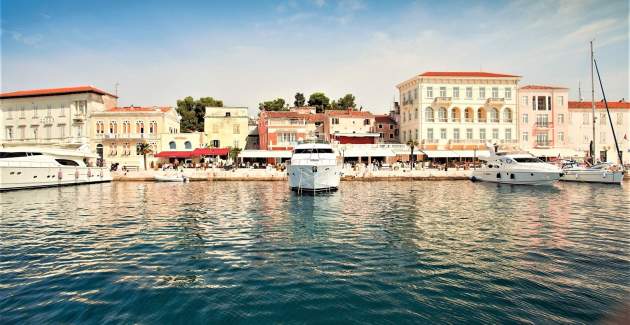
x=247 y=174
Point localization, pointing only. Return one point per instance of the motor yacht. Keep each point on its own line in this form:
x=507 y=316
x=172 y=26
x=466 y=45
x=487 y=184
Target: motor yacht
x=607 y=173
x=313 y=167
x=515 y=168
x=32 y=167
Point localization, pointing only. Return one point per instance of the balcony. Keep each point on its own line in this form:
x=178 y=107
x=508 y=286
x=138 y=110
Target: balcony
x=543 y=144
x=443 y=100
x=112 y=136
x=543 y=125
x=78 y=118
x=495 y=101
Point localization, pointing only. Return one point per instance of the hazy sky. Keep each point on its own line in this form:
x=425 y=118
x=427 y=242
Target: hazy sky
x=245 y=52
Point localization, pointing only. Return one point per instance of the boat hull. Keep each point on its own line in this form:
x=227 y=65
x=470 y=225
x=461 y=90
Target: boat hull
x=28 y=177
x=313 y=178
x=162 y=178
x=593 y=176
x=516 y=177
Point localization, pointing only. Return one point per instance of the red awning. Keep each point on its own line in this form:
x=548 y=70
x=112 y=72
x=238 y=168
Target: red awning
x=210 y=152
x=174 y=154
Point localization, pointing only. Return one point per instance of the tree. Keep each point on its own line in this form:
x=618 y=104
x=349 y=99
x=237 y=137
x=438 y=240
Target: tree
x=234 y=152
x=345 y=102
x=193 y=111
x=319 y=100
x=299 y=100
x=412 y=144
x=145 y=149
x=273 y=105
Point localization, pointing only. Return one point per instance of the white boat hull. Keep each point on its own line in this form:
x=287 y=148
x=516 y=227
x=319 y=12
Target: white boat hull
x=592 y=176
x=166 y=178
x=516 y=177
x=24 y=177
x=314 y=178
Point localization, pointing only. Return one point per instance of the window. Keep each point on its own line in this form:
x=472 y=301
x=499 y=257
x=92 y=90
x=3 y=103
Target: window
x=602 y=118
x=542 y=120
x=62 y=110
x=586 y=119
x=429 y=92
x=542 y=139
x=525 y=119
x=236 y=129
x=525 y=137
x=35 y=132
x=415 y=93
x=430 y=133
x=215 y=143
x=525 y=100
x=366 y=121
x=455 y=92
x=456 y=134
x=417 y=134
x=495 y=133
x=494 y=115
x=172 y=145
x=228 y=114
x=380 y=126
x=187 y=145
x=391 y=136
x=9 y=133
x=495 y=92
x=508 y=134
x=508 y=93
x=286 y=137
x=541 y=103
x=561 y=100
x=469 y=134
x=442 y=91
x=469 y=92
x=62 y=130
x=140 y=127
x=560 y=118
x=428 y=114
x=335 y=120
x=619 y=118
x=507 y=115
x=443 y=115
x=80 y=107
x=391 y=126
x=443 y=133
x=482 y=92
x=482 y=134
x=561 y=137
x=415 y=113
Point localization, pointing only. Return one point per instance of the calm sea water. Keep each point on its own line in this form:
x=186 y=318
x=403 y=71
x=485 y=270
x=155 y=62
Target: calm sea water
x=251 y=252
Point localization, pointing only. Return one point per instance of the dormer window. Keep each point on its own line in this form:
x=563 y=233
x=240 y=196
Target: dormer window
x=227 y=114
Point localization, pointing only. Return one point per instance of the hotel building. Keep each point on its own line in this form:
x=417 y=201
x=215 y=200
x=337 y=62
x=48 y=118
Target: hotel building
x=117 y=132
x=350 y=127
x=226 y=127
x=447 y=111
x=281 y=130
x=56 y=116
x=580 y=120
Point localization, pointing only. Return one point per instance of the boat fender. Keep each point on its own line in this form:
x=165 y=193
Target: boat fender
x=604 y=175
x=60 y=175
x=89 y=173
x=474 y=179
x=76 y=174
x=314 y=169
x=101 y=173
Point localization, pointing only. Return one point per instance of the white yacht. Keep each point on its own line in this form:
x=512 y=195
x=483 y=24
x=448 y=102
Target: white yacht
x=607 y=173
x=515 y=168
x=314 y=167
x=31 y=167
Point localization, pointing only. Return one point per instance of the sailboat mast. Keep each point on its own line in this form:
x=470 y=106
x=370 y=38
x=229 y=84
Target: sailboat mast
x=593 y=105
x=612 y=128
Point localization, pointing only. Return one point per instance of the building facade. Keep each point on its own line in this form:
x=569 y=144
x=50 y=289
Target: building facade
x=387 y=128
x=580 y=121
x=459 y=110
x=281 y=130
x=543 y=118
x=117 y=132
x=226 y=127
x=56 y=116
x=350 y=126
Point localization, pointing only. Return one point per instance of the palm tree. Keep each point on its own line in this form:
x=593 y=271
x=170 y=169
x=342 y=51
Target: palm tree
x=234 y=152
x=412 y=144
x=145 y=149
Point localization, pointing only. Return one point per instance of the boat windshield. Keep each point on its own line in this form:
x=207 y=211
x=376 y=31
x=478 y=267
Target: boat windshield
x=314 y=150
x=528 y=160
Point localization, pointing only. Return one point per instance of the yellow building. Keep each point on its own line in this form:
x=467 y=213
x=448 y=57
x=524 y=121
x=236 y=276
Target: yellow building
x=119 y=130
x=226 y=126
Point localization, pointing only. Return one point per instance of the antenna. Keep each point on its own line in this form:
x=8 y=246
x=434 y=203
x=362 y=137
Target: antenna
x=580 y=90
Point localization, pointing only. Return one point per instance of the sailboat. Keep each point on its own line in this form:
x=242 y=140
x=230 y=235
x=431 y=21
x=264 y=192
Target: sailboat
x=604 y=172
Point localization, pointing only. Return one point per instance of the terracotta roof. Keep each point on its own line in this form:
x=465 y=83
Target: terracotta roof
x=54 y=91
x=384 y=119
x=599 y=105
x=162 y=109
x=295 y=115
x=466 y=74
x=349 y=113
x=539 y=87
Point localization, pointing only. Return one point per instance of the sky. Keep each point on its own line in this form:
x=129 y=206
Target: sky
x=246 y=52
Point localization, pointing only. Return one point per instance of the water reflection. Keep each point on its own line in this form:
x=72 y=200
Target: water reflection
x=243 y=251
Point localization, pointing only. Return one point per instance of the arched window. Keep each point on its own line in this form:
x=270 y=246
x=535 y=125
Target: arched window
x=172 y=145
x=187 y=145
x=428 y=114
x=469 y=115
x=456 y=115
x=494 y=115
x=507 y=115
x=442 y=115
x=481 y=115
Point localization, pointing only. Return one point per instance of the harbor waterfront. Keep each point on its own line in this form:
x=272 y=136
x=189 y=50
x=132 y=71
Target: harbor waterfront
x=394 y=252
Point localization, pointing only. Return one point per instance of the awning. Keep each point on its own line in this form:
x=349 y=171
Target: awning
x=439 y=153
x=174 y=154
x=356 y=135
x=471 y=153
x=368 y=152
x=265 y=154
x=211 y=152
x=557 y=152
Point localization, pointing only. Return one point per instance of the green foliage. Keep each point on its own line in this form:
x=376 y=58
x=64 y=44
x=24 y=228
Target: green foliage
x=193 y=111
x=145 y=149
x=273 y=105
x=319 y=100
x=345 y=102
x=234 y=152
x=299 y=100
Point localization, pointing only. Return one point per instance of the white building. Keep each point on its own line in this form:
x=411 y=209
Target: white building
x=446 y=111
x=581 y=128
x=58 y=116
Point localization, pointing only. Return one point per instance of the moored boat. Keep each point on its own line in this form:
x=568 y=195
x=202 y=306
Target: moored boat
x=606 y=173
x=313 y=167
x=170 y=178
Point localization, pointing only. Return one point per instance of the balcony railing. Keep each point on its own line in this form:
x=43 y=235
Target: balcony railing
x=127 y=135
x=469 y=120
x=544 y=125
x=442 y=100
x=543 y=144
x=495 y=101
x=494 y=120
x=482 y=120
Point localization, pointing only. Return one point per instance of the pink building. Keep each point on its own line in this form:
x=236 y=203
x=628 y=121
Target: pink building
x=543 y=119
